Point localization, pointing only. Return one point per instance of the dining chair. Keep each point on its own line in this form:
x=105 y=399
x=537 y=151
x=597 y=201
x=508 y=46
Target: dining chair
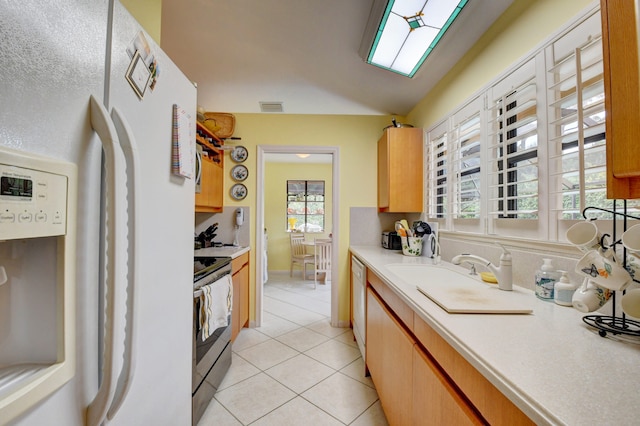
x=299 y=254
x=322 y=253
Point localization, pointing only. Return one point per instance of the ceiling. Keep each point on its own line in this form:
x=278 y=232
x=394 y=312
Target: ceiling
x=303 y=53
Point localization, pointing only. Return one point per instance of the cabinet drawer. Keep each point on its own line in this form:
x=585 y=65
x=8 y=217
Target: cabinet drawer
x=238 y=262
x=401 y=309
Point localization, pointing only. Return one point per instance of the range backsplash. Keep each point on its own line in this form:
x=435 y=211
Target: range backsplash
x=226 y=225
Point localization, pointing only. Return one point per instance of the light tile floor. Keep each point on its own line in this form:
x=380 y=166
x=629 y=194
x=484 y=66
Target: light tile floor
x=295 y=369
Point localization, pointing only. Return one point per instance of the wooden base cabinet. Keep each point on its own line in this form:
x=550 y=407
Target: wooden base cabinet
x=240 y=278
x=389 y=358
x=486 y=399
x=435 y=400
x=420 y=378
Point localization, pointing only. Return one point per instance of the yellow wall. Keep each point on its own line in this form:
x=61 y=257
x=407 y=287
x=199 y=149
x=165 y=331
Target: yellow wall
x=525 y=24
x=148 y=13
x=356 y=137
x=275 y=207
x=516 y=33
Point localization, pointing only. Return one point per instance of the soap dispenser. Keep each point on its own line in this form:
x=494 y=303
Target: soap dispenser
x=546 y=279
x=563 y=290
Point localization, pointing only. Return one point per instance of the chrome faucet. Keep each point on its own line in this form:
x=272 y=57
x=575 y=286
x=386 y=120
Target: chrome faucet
x=503 y=273
x=472 y=269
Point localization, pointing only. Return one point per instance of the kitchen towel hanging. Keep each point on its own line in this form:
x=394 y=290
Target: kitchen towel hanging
x=215 y=305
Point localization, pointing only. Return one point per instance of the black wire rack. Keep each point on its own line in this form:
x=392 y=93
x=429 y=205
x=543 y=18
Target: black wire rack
x=614 y=324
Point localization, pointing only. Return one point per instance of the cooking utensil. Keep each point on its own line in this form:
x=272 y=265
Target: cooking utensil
x=420 y=228
x=406 y=227
x=401 y=230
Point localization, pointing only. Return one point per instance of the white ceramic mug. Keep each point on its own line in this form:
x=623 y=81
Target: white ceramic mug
x=589 y=297
x=585 y=236
x=631 y=239
x=603 y=271
x=633 y=265
x=631 y=303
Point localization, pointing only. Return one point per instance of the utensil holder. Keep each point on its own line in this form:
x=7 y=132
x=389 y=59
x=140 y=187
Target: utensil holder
x=411 y=246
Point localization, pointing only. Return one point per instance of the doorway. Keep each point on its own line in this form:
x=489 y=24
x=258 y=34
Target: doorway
x=263 y=151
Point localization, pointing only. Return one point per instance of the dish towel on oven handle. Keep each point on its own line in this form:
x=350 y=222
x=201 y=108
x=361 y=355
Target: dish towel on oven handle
x=215 y=305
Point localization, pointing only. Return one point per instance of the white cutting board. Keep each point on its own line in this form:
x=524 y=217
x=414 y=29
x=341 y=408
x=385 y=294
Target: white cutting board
x=459 y=293
x=465 y=297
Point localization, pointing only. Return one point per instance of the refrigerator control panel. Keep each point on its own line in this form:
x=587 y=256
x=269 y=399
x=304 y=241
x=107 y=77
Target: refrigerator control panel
x=33 y=196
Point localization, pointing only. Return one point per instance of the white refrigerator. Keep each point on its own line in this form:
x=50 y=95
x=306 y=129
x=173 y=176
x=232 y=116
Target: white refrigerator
x=55 y=56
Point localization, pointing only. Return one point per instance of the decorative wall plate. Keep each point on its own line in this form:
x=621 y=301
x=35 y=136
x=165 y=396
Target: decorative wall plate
x=239 y=154
x=238 y=191
x=239 y=173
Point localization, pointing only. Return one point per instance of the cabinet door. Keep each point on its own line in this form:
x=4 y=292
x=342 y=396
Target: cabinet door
x=389 y=359
x=435 y=400
x=240 y=278
x=202 y=198
x=243 y=278
x=383 y=172
x=210 y=197
x=217 y=185
x=622 y=100
x=400 y=170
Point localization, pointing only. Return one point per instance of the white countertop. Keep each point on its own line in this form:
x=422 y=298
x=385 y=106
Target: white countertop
x=550 y=364
x=227 y=251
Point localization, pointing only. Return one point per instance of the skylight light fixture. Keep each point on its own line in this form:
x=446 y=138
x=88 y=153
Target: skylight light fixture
x=401 y=34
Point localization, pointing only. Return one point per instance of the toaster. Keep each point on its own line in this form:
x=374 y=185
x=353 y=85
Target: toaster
x=391 y=240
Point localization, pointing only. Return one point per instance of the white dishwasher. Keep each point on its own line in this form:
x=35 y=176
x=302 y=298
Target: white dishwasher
x=359 y=283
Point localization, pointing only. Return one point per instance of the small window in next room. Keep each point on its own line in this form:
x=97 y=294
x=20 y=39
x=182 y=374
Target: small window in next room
x=305 y=205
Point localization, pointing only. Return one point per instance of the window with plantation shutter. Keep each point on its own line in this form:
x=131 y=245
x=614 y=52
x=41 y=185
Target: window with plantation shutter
x=513 y=147
x=466 y=150
x=527 y=154
x=578 y=139
x=577 y=124
x=437 y=174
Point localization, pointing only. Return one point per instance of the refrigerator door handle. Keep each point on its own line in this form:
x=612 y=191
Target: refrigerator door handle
x=132 y=159
x=115 y=271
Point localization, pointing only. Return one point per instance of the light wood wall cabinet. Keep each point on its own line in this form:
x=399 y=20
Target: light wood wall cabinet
x=420 y=378
x=622 y=97
x=240 y=278
x=400 y=170
x=210 y=199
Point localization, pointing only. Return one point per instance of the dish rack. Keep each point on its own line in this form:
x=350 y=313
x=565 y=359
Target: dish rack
x=614 y=324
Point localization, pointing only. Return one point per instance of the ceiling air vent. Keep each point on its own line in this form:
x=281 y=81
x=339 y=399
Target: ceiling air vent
x=271 y=107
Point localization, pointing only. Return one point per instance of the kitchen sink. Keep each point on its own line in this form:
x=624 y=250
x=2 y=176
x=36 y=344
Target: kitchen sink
x=457 y=292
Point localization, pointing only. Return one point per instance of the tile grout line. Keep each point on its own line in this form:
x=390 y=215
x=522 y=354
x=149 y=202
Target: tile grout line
x=297 y=352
